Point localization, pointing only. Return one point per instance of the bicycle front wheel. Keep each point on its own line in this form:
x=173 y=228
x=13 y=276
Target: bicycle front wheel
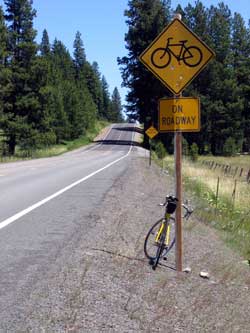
x=192 y=56
x=160 y=250
x=151 y=245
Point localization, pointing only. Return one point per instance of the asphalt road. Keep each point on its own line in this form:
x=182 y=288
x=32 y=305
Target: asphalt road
x=44 y=204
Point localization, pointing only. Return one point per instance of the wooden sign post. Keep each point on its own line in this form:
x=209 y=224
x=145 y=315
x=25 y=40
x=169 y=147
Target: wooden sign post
x=176 y=57
x=179 y=114
x=178 y=189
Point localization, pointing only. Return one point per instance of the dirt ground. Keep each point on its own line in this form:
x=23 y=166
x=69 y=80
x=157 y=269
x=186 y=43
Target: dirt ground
x=115 y=289
x=121 y=293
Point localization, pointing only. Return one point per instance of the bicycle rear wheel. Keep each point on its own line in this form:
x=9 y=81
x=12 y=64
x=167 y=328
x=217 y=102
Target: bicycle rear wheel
x=160 y=58
x=151 y=247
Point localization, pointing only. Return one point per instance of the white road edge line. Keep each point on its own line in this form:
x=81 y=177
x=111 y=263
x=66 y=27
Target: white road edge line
x=17 y=216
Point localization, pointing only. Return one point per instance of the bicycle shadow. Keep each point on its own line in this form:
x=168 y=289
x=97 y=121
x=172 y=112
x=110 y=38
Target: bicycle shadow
x=167 y=266
x=163 y=265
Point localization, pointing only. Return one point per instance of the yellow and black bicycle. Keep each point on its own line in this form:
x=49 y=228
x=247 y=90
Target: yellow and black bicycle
x=161 y=236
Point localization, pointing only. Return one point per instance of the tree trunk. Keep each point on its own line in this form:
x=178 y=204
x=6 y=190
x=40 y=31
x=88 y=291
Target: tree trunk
x=12 y=144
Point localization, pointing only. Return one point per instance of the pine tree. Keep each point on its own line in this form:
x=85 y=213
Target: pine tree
x=106 y=99
x=145 y=20
x=3 y=39
x=45 y=97
x=23 y=104
x=62 y=79
x=62 y=61
x=223 y=88
x=240 y=50
x=196 y=18
x=246 y=94
x=45 y=44
x=92 y=77
x=116 y=107
x=79 y=53
x=89 y=109
x=5 y=80
x=86 y=85
x=98 y=89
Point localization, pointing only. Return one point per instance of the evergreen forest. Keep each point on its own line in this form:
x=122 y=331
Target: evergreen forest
x=223 y=86
x=47 y=95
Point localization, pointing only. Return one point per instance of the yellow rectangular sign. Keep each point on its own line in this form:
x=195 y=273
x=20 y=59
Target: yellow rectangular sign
x=179 y=114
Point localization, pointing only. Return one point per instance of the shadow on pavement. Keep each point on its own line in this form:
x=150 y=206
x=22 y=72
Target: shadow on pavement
x=129 y=129
x=119 y=142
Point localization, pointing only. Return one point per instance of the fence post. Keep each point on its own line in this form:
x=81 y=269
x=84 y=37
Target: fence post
x=234 y=193
x=236 y=170
x=248 y=176
x=241 y=171
x=217 y=192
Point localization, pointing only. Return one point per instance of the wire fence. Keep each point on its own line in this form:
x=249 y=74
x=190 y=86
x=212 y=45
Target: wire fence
x=228 y=170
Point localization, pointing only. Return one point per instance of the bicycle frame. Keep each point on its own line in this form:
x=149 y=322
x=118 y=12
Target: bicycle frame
x=183 y=48
x=160 y=231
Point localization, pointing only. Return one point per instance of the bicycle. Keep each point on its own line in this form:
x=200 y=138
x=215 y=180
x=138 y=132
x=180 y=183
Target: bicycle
x=190 y=55
x=160 y=238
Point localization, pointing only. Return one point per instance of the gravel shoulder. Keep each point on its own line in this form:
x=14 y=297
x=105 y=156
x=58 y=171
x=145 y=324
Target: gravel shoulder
x=115 y=290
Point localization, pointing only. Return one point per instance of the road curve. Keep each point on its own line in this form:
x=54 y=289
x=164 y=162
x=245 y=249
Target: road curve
x=44 y=205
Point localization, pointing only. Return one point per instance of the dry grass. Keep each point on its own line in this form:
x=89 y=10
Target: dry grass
x=239 y=160
x=230 y=215
x=227 y=184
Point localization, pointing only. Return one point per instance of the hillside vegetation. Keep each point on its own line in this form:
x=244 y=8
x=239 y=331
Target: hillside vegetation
x=47 y=96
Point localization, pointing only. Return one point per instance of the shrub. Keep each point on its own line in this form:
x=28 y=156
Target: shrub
x=37 y=140
x=160 y=149
x=184 y=147
x=229 y=148
x=193 y=152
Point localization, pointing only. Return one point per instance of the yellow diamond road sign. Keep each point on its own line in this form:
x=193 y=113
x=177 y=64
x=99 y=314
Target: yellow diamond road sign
x=151 y=132
x=176 y=56
x=179 y=114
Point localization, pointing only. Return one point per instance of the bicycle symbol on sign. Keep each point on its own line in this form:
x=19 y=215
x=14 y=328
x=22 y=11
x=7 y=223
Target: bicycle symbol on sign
x=190 y=55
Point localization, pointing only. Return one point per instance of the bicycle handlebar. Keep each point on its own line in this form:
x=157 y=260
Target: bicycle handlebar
x=170 y=198
x=188 y=211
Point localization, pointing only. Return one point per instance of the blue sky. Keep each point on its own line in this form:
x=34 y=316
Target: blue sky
x=102 y=25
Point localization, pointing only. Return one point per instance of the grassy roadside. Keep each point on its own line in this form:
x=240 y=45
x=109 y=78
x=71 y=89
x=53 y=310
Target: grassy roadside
x=230 y=211
x=57 y=149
